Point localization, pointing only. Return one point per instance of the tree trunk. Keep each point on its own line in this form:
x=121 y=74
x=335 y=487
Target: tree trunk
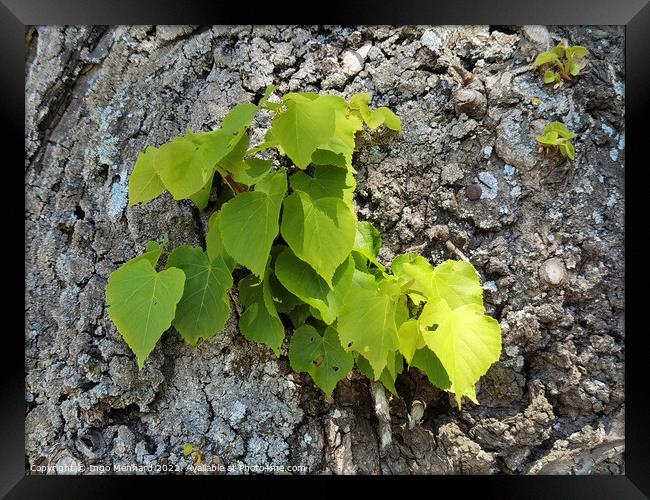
x=96 y=96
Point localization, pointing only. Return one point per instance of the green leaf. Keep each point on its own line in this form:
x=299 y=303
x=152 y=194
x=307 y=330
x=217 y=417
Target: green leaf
x=267 y=144
x=320 y=356
x=260 y=321
x=545 y=58
x=363 y=279
x=205 y=305
x=182 y=167
x=202 y=197
x=466 y=341
x=249 y=222
x=303 y=127
x=367 y=242
x=142 y=303
x=152 y=253
x=402 y=313
x=560 y=129
x=559 y=50
x=327 y=182
x=251 y=170
x=360 y=100
x=549 y=140
x=144 y=184
x=360 y=103
x=239 y=118
x=319 y=231
x=425 y=359
x=457 y=282
x=186 y=164
x=570 y=150
x=214 y=243
x=574 y=68
x=550 y=76
x=415 y=268
x=410 y=339
x=284 y=300
x=381 y=116
x=245 y=171
x=299 y=315
x=391 y=286
x=394 y=366
x=577 y=51
x=301 y=96
x=390 y=119
x=342 y=143
x=330 y=158
x=303 y=282
x=235 y=157
x=366 y=325
x=338 y=148
x=454 y=280
x=214 y=146
x=264 y=101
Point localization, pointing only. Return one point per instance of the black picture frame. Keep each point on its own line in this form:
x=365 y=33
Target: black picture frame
x=15 y=15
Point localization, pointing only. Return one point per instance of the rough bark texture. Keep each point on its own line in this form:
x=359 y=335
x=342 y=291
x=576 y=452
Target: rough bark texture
x=96 y=96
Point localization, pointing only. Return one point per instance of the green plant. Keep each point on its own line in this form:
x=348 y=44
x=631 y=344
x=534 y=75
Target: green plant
x=557 y=135
x=295 y=233
x=189 y=449
x=565 y=61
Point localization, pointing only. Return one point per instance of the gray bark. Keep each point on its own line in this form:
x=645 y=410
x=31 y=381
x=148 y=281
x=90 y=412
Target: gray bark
x=554 y=403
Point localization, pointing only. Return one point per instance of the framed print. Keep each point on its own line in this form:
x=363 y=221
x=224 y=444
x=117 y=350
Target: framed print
x=390 y=243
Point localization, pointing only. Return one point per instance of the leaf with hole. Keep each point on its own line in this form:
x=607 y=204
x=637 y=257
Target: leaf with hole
x=465 y=340
x=320 y=356
x=454 y=280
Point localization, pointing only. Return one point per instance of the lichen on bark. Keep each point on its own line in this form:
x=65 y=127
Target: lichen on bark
x=96 y=96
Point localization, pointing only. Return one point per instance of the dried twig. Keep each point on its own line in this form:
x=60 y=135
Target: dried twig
x=452 y=248
x=417 y=248
x=382 y=411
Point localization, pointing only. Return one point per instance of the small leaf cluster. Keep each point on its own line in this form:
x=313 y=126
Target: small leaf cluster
x=556 y=134
x=563 y=62
x=189 y=449
x=303 y=257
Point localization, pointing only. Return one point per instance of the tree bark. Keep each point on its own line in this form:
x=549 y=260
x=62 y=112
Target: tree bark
x=96 y=96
